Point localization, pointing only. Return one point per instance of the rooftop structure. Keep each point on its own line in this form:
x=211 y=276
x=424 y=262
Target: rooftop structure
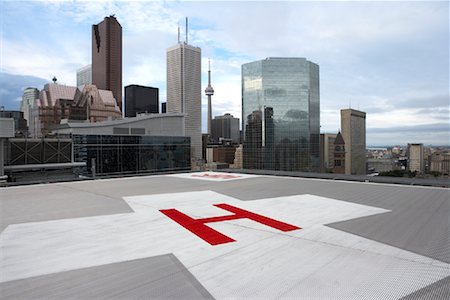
x=254 y=237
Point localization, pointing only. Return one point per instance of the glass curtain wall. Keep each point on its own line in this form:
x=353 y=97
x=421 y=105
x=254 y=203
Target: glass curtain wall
x=116 y=154
x=280 y=114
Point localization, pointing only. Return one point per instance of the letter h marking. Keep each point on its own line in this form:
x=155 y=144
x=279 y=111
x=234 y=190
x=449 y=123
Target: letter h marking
x=213 y=237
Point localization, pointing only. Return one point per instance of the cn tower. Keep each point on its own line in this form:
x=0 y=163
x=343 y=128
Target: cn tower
x=209 y=91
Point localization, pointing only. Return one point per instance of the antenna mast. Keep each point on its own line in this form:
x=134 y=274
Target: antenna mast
x=178 y=33
x=187 y=30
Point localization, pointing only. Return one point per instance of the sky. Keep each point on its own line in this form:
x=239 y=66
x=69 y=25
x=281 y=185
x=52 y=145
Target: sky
x=389 y=59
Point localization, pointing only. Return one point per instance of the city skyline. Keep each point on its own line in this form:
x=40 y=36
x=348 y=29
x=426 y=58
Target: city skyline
x=387 y=59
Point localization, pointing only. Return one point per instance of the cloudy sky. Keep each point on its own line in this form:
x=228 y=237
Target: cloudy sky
x=389 y=59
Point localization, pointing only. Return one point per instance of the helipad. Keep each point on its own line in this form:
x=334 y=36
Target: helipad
x=224 y=236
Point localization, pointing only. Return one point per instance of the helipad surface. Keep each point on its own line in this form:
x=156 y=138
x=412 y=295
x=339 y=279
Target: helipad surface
x=224 y=236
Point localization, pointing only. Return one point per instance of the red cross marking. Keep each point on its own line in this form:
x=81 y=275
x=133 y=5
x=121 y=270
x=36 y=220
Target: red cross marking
x=213 y=237
x=217 y=176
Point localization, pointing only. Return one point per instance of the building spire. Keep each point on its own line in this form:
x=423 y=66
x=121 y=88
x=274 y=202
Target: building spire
x=209 y=91
x=187 y=30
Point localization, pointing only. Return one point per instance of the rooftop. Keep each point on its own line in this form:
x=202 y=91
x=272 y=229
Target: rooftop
x=249 y=236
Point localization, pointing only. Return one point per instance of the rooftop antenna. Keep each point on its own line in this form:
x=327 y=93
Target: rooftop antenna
x=187 y=30
x=349 y=103
x=178 y=33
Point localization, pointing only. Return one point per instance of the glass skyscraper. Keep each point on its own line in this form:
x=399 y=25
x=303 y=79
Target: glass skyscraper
x=281 y=114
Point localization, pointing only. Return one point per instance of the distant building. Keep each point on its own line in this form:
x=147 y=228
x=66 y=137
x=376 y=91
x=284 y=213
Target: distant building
x=107 y=57
x=339 y=155
x=84 y=75
x=416 y=160
x=29 y=97
x=327 y=151
x=164 y=107
x=58 y=102
x=237 y=163
x=184 y=91
x=20 y=124
x=440 y=162
x=280 y=114
x=353 y=130
x=225 y=127
x=141 y=99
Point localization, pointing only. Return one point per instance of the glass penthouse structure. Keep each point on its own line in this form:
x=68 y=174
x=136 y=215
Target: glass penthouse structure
x=281 y=114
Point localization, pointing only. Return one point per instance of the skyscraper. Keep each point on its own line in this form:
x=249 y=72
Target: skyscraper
x=184 y=90
x=280 y=114
x=107 y=57
x=84 y=75
x=29 y=97
x=353 y=130
x=225 y=127
x=141 y=99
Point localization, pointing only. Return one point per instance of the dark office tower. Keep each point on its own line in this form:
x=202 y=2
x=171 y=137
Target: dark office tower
x=141 y=99
x=225 y=127
x=107 y=57
x=164 y=107
x=280 y=113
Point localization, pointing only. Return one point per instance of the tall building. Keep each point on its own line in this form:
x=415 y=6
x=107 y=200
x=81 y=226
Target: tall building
x=29 y=97
x=84 y=75
x=225 y=127
x=107 y=57
x=209 y=91
x=327 y=151
x=141 y=99
x=184 y=90
x=353 y=130
x=281 y=114
x=416 y=161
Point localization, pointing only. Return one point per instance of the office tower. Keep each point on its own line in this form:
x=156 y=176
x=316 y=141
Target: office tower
x=280 y=114
x=107 y=57
x=225 y=127
x=353 y=130
x=163 y=107
x=84 y=75
x=327 y=151
x=29 y=97
x=141 y=99
x=416 y=162
x=339 y=154
x=184 y=90
x=209 y=91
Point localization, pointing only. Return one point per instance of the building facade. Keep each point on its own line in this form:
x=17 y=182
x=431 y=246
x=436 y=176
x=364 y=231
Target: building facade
x=327 y=151
x=141 y=99
x=84 y=75
x=20 y=124
x=58 y=102
x=184 y=91
x=353 y=130
x=281 y=114
x=416 y=160
x=107 y=57
x=338 y=155
x=29 y=97
x=225 y=127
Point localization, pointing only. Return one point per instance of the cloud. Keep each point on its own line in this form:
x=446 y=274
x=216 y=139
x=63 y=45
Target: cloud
x=390 y=59
x=12 y=86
